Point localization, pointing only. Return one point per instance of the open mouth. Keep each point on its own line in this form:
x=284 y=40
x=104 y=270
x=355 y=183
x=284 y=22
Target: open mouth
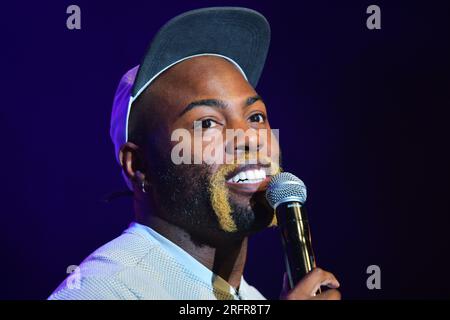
x=249 y=178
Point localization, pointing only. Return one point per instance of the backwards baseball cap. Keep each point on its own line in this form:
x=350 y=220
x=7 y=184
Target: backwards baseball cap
x=239 y=35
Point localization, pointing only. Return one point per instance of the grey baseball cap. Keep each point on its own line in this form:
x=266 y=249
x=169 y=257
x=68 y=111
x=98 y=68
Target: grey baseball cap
x=240 y=35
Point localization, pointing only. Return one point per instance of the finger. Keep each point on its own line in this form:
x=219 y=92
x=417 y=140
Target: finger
x=311 y=283
x=331 y=283
x=331 y=294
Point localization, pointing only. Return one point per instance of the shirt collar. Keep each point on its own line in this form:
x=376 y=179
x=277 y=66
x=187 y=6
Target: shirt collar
x=185 y=259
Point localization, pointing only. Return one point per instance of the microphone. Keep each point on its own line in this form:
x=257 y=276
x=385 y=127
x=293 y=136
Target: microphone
x=286 y=194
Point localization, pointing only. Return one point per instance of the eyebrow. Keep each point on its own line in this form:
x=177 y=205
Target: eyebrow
x=217 y=103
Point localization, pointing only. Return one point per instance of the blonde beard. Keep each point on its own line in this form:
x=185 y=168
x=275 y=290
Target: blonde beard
x=220 y=200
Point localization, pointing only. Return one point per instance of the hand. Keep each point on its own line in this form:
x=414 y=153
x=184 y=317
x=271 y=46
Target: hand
x=309 y=284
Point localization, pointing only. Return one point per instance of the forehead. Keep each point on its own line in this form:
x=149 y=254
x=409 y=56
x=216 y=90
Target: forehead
x=200 y=77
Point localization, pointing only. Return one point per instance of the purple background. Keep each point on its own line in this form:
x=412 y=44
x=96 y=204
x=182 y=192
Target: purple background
x=363 y=118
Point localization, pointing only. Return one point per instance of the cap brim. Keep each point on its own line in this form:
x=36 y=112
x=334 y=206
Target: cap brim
x=238 y=33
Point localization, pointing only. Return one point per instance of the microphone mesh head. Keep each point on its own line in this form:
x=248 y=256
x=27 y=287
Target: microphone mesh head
x=285 y=187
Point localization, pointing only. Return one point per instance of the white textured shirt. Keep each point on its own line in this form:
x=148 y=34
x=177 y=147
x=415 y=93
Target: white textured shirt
x=142 y=264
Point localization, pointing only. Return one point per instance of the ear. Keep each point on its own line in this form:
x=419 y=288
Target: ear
x=132 y=162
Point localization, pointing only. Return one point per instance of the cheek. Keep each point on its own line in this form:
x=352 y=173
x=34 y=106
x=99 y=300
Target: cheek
x=160 y=141
x=219 y=197
x=269 y=152
x=274 y=152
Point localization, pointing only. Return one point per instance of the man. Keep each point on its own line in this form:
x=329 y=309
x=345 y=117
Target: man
x=193 y=219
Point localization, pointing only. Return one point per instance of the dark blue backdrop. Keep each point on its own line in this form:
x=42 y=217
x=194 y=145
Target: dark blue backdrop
x=363 y=118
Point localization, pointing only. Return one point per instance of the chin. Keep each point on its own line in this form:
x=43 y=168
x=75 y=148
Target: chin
x=251 y=215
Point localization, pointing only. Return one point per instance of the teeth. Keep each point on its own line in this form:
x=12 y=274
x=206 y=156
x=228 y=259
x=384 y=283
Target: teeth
x=261 y=174
x=249 y=176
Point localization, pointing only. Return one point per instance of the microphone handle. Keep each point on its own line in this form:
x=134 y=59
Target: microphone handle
x=296 y=238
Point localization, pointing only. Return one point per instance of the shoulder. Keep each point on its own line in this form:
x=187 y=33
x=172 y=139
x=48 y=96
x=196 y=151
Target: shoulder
x=125 y=251
x=98 y=276
x=91 y=288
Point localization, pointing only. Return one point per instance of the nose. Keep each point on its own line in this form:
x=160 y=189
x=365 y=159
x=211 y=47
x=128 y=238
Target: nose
x=243 y=140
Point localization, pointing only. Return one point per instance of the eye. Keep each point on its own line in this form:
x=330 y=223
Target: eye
x=205 y=124
x=257 y=117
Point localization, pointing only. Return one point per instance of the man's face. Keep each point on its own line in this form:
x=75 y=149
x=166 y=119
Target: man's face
x=214 y=199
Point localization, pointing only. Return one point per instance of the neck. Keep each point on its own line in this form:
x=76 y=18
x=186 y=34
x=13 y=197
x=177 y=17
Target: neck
x=226 y=260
